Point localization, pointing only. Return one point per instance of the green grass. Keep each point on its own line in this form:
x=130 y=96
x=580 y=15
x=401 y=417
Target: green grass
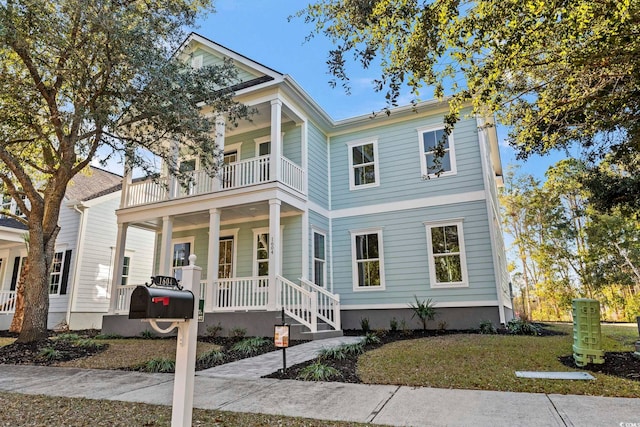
x=489 y=362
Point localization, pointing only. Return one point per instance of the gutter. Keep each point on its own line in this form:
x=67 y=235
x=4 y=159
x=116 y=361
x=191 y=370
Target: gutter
x=78 y=207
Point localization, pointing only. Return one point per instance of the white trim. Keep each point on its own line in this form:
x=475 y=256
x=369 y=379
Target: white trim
x=190 y=240
x=453 y=304
x=464 y=283
x=376 y=163
x=354 y=269
x=233 y=233
x=196 y=62
x=473 y=196
x=237 y=147
x=423 y=162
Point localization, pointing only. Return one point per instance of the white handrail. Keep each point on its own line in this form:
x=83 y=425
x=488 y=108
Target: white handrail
x=298 y=303
x=328 y=304
x=7 y=302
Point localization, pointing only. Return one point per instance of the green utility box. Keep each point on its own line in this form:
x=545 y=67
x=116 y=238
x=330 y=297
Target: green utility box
x=587 y=339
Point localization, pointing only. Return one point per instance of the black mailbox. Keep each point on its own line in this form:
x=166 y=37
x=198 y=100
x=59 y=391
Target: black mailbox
x=161 y=303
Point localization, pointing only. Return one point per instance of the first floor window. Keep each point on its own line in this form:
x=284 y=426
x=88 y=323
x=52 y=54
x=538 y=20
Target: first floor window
x=445 y=245
x=261 y=267
x=126 y=264
x=56 y=273
x=225 y=258
x=368 y=266
x=319 y=259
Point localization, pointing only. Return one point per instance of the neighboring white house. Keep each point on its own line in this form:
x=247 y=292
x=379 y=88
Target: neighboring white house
x=332 y=221
x=80 y=280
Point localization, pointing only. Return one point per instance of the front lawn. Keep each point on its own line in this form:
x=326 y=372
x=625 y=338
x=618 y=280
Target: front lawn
x=489 y=362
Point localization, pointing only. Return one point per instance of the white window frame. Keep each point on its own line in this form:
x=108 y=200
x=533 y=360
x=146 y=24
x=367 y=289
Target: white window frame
x=190 y=240
x=231 y=233
x=260 y=141
x=256 y=233
x=354 y=261
x=462 y=253
x=55 y=273
x=314 y=259
x=423 y=161
x=128 y=275
x=376 y=163
x=231 y=148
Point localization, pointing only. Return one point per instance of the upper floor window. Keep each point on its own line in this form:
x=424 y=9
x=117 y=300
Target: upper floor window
x=368 y=260
x=363 y=161
x=447 y=261
x=437 y=152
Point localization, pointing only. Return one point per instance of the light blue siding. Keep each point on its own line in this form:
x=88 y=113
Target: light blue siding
x=399 y=164
x=318 y=158
x=405 y=255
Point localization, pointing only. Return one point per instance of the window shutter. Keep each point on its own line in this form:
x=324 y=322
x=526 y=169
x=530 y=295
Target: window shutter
x=14 y=275
x=65 y=272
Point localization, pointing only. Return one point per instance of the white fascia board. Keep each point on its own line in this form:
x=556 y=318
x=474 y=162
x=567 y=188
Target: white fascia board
x=9 y=234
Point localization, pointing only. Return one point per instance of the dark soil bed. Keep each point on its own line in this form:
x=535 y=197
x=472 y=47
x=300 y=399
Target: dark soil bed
x=620 y=364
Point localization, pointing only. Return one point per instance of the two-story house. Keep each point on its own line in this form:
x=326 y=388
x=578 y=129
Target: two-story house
x=332 y=221
x=80 y=277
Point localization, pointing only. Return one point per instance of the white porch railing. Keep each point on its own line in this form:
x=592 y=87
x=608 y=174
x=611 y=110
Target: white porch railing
x=292 y=174
x=234 y=175
x=328 y=304
x=298 y=303
x=7 y=302
x=123 y=298
x=241 y=293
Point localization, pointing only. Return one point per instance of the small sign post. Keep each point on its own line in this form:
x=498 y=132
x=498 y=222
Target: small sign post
x=281 y=340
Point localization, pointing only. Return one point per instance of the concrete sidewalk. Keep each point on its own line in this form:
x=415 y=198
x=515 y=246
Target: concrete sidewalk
x=238 y=387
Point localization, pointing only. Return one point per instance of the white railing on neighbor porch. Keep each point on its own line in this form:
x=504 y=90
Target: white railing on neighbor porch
x=7 y=302
x=234 y=175
x=123 y=298
x=328 y=304
x=241 y=293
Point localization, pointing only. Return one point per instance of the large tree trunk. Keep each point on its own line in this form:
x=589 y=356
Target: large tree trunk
x=36 y=289
x=18 y=314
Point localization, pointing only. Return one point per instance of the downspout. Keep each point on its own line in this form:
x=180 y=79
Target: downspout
x=76 y=266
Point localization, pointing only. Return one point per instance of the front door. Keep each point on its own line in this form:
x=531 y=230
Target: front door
x=181 y=252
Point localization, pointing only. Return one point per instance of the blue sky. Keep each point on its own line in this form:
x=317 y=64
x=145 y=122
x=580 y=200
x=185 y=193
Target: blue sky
x=259 y=29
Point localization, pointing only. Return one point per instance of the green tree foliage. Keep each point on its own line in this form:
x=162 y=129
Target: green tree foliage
x=557 y=73
x=92 y=80
x=568 y=249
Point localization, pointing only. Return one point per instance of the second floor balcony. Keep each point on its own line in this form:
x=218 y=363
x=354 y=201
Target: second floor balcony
x=244 y=173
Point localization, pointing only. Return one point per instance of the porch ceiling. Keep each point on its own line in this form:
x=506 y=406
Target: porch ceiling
x=261 y=119
x=239 y=213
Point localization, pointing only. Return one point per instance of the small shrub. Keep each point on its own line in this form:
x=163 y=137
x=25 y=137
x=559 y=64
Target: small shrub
x=522 y=327
x=425 y=311
x=238 y=332
x=147 y=334
x=486 y=327
x=250 y=346
x=442 y=325
x=89 y=343
x=68 y=337
x=160 y=364
x=214 y=330
x=364 y=324
x=371 y=339
x=210 y=358
x=50 y=354
x=393 y=324
x=404 y=328
x=318 y=372
x=341 y=352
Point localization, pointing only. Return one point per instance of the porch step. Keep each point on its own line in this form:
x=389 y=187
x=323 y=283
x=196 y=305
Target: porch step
x=320 y=335
x=299 y=331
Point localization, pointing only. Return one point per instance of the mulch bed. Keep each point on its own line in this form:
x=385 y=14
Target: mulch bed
x=619 y=364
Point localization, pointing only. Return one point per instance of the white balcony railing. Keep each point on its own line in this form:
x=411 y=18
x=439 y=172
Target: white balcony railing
x=7 y=302
x=240 y=174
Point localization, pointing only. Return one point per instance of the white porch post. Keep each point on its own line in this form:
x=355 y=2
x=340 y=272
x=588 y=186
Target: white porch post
x=165 y=246
x=126 y=182
x=213 y=259
x=276 y=139
x=173 y=182
x=220 y=129
x=274 y=251
x=116 y=276
x=305 y=246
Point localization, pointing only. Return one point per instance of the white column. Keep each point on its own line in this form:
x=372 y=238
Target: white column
x=213 y=259
x=184 y=380
x=304 y=130
x=276 y=138
x=305 y=246
x=126 y=182
x=173 y=182
x=116 y=276
x=220 y=130
x=274 y=250
x=165 y=246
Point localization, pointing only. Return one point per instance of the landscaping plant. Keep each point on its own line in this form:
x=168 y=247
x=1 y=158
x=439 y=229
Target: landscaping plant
x=425 y=311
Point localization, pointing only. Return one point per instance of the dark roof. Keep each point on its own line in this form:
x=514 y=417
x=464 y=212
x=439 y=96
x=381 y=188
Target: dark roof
x=12 y=223
x=95 y=184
